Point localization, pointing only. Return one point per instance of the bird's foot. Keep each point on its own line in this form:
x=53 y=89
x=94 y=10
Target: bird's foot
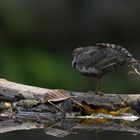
x=96 y=92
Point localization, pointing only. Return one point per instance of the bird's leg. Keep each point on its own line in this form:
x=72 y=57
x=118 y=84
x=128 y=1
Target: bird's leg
x=100 y=80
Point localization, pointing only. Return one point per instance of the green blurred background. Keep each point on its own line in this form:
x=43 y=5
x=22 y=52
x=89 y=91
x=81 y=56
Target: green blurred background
x=37 y=38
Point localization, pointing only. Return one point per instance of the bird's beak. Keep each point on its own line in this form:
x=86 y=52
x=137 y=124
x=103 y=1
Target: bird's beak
x=73 y=63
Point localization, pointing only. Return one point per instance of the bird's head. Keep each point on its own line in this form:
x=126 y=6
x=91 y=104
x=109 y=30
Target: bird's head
x=77 y=51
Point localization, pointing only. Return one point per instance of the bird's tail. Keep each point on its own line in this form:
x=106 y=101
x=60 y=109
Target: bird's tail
x=135 y=66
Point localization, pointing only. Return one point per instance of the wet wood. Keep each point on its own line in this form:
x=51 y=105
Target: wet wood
x=13 y=91
x=26 y=113
x=10 y=91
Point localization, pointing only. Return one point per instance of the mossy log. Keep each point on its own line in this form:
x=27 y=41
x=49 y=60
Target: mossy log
x=12 y=92
x=29 y=105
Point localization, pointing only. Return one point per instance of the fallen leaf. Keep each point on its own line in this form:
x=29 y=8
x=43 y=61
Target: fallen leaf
x=120 y=111
x=7 y=104
x=88 y=110
x=56 y=95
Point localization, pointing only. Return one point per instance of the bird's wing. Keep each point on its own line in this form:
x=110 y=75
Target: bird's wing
x=91 y=56
x=108 y=45
x=107 y=63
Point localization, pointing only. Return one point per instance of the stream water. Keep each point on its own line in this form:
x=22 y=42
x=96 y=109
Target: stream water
x=82 y=135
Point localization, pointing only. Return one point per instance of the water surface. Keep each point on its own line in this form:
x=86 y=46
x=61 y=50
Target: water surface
x=82 y=135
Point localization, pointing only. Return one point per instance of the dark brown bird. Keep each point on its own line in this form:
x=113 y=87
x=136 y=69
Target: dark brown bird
x=96 y=61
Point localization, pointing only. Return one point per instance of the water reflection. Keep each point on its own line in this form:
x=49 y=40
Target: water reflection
x=39 y=134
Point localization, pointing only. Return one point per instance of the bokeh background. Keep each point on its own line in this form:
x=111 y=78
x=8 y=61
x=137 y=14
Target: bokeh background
x=37 y=38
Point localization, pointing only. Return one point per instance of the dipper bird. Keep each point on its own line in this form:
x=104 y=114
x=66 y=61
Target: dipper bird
x=98 y=60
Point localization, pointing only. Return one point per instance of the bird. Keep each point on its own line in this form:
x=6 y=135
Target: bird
x=100 y=59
